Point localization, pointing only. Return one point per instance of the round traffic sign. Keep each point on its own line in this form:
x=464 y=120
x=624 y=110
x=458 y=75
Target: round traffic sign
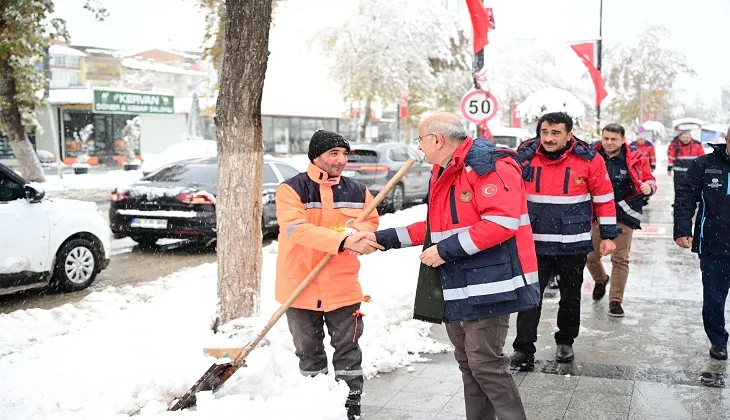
x=478 y=106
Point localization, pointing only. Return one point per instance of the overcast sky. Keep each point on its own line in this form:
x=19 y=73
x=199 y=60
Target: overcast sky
x=700 y=29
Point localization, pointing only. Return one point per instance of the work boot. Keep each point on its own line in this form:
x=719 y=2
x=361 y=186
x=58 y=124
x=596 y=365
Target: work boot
x=564 y=353
x=553 y=282
x=521 y=361
x=718 y=351
x=599 y=290
x=615 y=309
x=353 y=411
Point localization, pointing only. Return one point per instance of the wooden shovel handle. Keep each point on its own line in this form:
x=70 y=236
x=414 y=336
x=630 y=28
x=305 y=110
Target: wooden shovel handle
x=307 y=280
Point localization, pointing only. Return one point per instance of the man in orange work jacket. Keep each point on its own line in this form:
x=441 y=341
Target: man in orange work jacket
x=316 y=211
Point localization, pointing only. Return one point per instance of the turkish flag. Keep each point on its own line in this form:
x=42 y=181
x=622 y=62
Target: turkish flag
x=480 y=21
x=403 y=109
x=587 y=53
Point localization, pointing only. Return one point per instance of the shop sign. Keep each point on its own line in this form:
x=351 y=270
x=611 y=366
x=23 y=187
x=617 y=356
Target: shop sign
x=113 y=102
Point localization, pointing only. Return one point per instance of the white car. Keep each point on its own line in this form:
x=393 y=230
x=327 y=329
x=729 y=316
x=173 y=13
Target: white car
x=48 y=241
x=188 y=149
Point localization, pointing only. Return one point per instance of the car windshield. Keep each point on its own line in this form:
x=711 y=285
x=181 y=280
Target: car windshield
x=186 y=173
x=362 y=156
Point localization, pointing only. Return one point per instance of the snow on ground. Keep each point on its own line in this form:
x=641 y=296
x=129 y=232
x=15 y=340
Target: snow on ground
x=131 y=350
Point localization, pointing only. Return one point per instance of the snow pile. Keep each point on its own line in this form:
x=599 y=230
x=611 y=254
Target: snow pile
x=126 y=351
x=14 y=265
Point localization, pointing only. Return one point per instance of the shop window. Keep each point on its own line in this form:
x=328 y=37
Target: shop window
x=78 y=134
x=295 y=136
x=267 y=124
x=281 y=135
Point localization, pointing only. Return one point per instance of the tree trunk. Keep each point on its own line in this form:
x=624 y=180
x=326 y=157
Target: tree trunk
x=240 y=157
x=365 y=119
x=23 y=150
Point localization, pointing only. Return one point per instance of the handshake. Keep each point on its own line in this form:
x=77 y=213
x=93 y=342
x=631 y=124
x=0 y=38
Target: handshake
x=362 y=243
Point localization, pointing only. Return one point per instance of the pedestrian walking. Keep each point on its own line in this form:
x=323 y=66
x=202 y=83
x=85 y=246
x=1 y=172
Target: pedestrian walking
x=647 y=148
x=680 y=154
x=478 y=264
x=316 y=211
x=632 y=181
x=707 y=183
x=567 y=184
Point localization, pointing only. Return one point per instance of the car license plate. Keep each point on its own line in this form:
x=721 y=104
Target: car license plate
x=349 y=174
x=149 y=223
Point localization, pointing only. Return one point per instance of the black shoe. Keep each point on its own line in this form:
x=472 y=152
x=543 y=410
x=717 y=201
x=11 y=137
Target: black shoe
x=564 y=353
x=522 y=361
x=599 y=290
x=553 y=282
x=718 y=351
x=615 y=309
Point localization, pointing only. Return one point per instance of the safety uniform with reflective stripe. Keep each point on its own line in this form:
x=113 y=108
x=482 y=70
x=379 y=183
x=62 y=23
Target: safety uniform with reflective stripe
x=478 y=220
x=629 y=211
x=680 y=155
x=565 y=195
x=313 y=212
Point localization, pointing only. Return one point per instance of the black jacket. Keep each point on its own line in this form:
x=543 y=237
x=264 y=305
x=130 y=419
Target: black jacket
x=707 y=183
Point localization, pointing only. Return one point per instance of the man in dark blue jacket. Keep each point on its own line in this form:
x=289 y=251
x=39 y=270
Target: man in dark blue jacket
x=707 y=182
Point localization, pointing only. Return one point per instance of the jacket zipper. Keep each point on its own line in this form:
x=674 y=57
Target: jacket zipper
x=452 y=202
x=537 y=179
x=566 y=181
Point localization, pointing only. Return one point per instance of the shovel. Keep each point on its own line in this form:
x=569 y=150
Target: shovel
x=219 y=373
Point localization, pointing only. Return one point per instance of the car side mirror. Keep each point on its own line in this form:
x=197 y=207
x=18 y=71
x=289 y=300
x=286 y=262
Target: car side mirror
x=32 y=194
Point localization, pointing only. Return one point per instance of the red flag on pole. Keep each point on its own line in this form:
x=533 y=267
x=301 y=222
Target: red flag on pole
x=587 y=53
x=480 y=24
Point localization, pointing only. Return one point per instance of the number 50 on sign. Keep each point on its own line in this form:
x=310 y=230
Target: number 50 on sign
x=478 y=106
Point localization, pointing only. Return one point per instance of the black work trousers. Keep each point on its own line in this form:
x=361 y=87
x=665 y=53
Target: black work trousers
x=570 y=269
x=345 y=327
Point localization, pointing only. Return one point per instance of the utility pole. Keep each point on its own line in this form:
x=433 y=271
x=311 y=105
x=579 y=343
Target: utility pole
x=598 y=61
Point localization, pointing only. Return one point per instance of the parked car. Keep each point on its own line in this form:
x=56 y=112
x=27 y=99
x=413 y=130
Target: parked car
x=189 y=149
x=178 y=201
x=375 y=164
x=510 y=138
x=48 y=241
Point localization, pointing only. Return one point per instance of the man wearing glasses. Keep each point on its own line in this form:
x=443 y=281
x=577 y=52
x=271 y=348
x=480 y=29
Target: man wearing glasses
x=707 y=182
x=478 y=260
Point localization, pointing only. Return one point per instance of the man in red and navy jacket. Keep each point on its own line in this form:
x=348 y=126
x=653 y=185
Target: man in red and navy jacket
x=680 y=154
x=484 y=252
x=647 y=148
x=632 y=180
x=567 y=188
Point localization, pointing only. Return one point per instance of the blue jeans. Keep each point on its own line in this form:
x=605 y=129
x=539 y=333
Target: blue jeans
x=715 y=285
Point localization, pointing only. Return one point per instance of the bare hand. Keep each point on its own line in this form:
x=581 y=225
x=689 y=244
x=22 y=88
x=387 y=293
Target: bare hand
x=357 y=244
x=431 y=257
x=669 y=172
x=607 y=246
x=684 y=242
x=645 y=189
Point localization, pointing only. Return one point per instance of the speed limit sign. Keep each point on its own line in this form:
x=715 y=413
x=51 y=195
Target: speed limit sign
x=478 y=106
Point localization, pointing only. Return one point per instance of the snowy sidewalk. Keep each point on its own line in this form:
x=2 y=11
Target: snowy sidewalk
x=652 y=364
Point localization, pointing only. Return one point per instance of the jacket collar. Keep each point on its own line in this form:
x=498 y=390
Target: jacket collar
x=459 y=155
x=319 y=176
